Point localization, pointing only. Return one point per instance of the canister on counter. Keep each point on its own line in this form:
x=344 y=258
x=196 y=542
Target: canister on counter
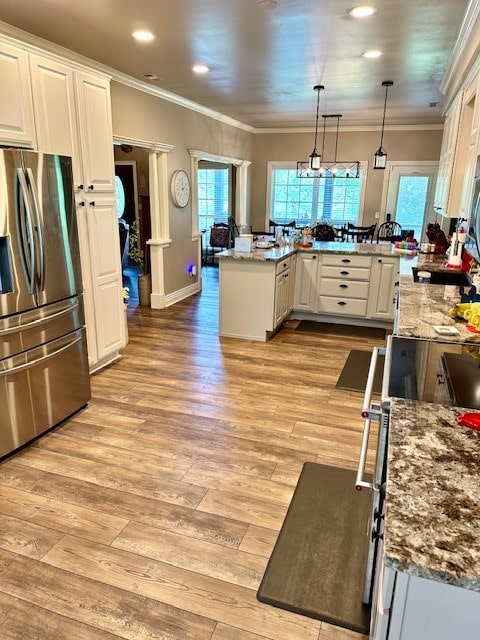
x=424 y=276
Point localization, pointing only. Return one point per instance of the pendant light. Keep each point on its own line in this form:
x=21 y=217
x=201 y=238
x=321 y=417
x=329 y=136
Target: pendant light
x=380 y=157
x=316 y=166
x=310 y=169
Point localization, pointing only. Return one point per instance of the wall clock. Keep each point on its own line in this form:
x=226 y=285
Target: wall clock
x=180 y=187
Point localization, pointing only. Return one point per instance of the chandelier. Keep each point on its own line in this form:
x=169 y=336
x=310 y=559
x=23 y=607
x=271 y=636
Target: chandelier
x=380 y=157
x=316 y=166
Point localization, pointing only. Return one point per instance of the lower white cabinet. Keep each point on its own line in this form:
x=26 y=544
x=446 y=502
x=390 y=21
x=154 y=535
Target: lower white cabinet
x=383 y=285
x=306 y=279
x=255 y=297
x=346 y=285
x=101 y=269
x=408 y=607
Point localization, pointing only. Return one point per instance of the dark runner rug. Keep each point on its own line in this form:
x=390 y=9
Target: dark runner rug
x=355 y=372
x=318 y=565
x=330 y=328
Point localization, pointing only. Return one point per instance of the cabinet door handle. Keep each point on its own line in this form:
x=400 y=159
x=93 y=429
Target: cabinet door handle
x=80 y=187
x=81 y=204
x=379 y=260
x=344 y=273
x=344 y=286
x=314 y=257
x=91 y=187
x=92 y=203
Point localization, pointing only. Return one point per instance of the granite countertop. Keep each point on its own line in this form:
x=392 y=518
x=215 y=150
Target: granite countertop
x=278 y=253
x=423 y=305
x=433 y=494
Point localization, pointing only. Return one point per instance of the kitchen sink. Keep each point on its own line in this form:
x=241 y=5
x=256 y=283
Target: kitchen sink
x=452 y=277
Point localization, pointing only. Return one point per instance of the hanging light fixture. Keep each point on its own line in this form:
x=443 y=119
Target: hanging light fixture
x=310 y=168
x=316 y=166
x=380 y=157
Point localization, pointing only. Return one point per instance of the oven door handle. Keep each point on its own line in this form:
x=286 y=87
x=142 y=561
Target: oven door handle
x=370 y=413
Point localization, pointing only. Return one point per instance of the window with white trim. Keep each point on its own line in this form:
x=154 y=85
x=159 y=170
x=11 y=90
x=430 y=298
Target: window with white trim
x=213 y=194
x=309 y=200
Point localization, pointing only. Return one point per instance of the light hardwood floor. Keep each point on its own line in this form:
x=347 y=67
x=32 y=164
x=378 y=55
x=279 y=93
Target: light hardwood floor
x=153 y=512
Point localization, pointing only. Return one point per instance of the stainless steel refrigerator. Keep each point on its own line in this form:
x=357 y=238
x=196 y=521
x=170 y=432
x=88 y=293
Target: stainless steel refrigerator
x=44 y=375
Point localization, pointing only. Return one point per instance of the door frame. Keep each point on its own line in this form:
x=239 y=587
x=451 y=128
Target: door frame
x=420 y=167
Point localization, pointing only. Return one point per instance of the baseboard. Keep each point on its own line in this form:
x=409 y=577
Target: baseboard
x=181 y=294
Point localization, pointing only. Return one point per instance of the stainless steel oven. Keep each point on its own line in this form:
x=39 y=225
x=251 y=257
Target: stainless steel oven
x=427 y=370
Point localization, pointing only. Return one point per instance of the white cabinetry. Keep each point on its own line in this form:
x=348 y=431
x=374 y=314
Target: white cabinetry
x=448 y=187
x=383 y=285
x=408 y=607
x=344 y=284
x=255 y=297
x=283 y=291
x=16 y=107
x=97 y=215
x=96 y=136
x=306 y=279
x=73 y=117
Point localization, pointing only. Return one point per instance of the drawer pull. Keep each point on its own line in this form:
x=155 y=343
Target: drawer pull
x=346 y=260
x=343 y=286
x=344 y=273
x=342 y=303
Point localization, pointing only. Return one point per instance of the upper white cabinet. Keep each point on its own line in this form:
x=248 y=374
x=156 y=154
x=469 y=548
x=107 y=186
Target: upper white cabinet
x=72 y=115
x=96 y=139
x=448 y=190
x=16 y=106
x=53 y=88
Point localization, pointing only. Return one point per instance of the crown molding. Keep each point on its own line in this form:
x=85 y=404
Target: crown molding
x=158 y=147
x=356 y=128
x=452 y=76
x=35 y=44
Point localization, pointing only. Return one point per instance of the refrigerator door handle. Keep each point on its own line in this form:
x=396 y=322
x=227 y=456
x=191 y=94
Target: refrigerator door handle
x=40 y=266
x=24 y=216
x=34 y=363
x=40 y=321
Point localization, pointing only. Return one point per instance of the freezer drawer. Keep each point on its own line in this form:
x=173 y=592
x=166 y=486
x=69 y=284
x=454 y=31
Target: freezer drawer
x=24 y=331
x=41 y=387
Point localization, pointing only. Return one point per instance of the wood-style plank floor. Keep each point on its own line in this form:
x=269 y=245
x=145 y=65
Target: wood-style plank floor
x=152 y=513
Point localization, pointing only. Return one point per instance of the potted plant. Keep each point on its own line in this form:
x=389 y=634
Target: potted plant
x=135 y=255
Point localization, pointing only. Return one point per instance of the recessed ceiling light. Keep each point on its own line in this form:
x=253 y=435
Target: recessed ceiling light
x=143 y=36
x=150 y=76
x=267 y=5
x=374 y=53
x=362 y=11
x=200 y=68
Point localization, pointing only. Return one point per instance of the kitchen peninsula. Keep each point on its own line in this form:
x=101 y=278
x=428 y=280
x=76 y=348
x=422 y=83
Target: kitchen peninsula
x=332 y=281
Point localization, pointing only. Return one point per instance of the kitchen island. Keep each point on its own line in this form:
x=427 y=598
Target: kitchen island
x=332 y=281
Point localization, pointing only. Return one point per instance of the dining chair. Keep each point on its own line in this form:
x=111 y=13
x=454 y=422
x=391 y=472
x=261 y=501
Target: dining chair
x=353 y=233
x=389 y=231
x=220 y=239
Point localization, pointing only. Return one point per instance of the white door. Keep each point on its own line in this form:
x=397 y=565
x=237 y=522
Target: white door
x=409 y=195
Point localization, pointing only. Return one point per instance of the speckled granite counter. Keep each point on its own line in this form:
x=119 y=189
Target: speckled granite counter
x=433 y=495
x=277 y=253
x=423 y=305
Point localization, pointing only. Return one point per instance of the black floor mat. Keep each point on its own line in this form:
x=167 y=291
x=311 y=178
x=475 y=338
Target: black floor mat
x=355 y=372
x=318 y=565
x=330 y=328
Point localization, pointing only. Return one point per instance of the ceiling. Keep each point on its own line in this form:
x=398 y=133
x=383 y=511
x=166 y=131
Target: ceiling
x=264 y=63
